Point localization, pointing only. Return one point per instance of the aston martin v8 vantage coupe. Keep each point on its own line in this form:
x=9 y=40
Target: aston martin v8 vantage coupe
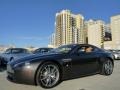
x=63 y=63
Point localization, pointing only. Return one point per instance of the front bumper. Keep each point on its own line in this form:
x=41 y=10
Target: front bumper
x=22 y=75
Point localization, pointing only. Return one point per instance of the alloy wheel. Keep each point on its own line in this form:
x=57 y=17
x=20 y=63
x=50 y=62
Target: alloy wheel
x=49 y=75
x=108 y=67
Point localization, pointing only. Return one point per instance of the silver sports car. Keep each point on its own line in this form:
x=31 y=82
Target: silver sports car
x=12 y=54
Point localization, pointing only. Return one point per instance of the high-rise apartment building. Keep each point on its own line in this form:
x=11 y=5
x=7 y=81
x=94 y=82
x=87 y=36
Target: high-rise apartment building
x=115 y=31
x=69 y=28
x=96 y=32
x=63 y=31
x=78 y=29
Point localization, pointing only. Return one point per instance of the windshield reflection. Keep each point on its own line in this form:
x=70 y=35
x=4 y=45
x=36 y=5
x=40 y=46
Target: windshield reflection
x=63 y=49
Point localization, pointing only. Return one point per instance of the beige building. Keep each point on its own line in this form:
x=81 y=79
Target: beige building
x=96 y=33
x=78 y=31
x=63 y=31
x=108 y=45
x=69 y=28
x=115 y=30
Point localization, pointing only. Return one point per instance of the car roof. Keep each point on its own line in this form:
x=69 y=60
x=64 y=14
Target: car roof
x=78 y=45
x=82 y=45
x=44 y=48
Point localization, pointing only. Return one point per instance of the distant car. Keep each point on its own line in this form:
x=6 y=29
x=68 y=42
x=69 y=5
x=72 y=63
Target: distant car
x=116 y=54
x=42 y=50
x=12 y=54
x=62 y=63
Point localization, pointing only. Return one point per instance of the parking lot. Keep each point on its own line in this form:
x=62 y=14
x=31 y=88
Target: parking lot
x=95 y=82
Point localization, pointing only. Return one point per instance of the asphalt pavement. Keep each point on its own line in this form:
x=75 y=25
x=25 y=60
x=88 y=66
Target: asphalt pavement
x=95 y=82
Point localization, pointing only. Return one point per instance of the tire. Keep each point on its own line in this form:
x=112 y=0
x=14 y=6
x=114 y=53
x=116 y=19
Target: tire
x=107 y=67
x=48 y=75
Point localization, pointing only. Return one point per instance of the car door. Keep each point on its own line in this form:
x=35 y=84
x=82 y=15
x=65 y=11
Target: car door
x=84 y=63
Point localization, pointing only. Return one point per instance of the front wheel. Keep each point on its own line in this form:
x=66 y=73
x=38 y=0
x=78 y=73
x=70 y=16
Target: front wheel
x=107 y=67
x=48 y=75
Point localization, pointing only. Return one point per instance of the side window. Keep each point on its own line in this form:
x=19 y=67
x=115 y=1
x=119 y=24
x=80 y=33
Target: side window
x=26 y=51
x=22 y=51
x=8 y=51
x=87 y=49
x=38 y=51
x=15 y=51
x=81 y=49
x=95 y=49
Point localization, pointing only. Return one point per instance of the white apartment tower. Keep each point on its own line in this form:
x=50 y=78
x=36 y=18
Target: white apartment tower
x=96 y=32
x=115 y=31
x=69 y=28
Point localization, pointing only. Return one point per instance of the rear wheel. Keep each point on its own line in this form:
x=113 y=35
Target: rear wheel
x=107 y=67
x=48 y=75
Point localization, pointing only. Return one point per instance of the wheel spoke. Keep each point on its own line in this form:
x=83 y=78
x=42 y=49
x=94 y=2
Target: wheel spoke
x=47 y=81
x=48 y=69
x=50 y=81
x=53 y=78
x=44 y=78
x=53 y=71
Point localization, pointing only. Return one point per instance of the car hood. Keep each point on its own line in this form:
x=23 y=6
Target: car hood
x=15 y=56
x=36 y=56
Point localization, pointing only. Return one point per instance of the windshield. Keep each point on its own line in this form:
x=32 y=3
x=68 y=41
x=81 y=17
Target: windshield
x=7 y=51
x=42 y=50
x=64 y=49
x=18 y=51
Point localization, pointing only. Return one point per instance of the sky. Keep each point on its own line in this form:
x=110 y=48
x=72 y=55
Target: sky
x=31 y=22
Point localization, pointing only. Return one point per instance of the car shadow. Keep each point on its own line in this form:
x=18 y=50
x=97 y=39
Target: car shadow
x=78 y=77
x=81 y=76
